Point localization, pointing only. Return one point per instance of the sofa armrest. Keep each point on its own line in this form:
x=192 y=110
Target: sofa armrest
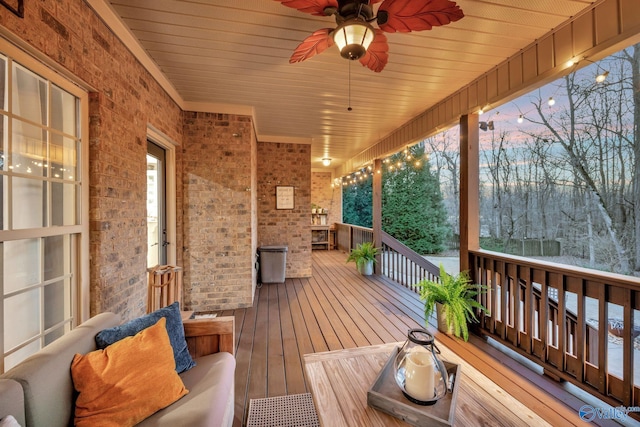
x=208 y=336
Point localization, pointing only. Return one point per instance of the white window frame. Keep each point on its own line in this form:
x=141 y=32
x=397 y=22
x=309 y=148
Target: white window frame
x=79 y=234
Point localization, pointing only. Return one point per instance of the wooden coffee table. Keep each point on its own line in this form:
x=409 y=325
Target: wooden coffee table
x=339 y=381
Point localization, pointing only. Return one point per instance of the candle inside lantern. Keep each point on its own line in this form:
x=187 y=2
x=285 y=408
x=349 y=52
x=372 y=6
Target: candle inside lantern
x=419 y=374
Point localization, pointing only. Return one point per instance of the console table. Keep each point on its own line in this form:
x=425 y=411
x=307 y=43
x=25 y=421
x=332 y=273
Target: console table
x=339 y=381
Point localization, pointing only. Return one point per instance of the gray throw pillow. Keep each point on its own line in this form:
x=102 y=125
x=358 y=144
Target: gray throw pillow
x=175 y=330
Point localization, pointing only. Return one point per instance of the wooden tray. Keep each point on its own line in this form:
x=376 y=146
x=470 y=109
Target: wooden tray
x=385 y=395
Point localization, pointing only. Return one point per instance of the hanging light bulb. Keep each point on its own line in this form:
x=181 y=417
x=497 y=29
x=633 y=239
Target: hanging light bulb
x=326 y=161
x=481 y=111
x=551 y=101
x=602 y=76
x=520 y=118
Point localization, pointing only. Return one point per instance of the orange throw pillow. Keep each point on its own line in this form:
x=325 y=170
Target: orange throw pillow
x=127 y=381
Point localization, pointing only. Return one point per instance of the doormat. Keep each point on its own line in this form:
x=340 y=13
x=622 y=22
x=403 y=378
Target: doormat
x=294 y=410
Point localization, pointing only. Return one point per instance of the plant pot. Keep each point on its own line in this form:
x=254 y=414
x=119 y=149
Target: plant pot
x=442 y=323
x=366 y=269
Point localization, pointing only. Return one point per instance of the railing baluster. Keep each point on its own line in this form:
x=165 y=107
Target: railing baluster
x=562 y=322
x=627 y=359
x=603 y=334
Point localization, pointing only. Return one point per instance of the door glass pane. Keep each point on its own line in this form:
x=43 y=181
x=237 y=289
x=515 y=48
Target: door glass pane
x=21 y=264
x=29 y=95
x=28 y=198
x=153 y=225
x=21 y=318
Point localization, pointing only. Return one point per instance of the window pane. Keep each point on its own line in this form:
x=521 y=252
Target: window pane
x=57 y=259
x=4 y=140
x=20 y=355
x=29 y=95
x=3 y=202
x=21 y=264
x=55 y=334
x=63 y=111
x=28 y=149
x=3 y=83
x=63 y=157
x=28 y=198
x=21 y=318
x=63 y=204
x=56 y=304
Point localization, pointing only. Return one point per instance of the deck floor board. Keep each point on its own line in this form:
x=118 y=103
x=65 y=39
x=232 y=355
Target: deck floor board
x=337 y=309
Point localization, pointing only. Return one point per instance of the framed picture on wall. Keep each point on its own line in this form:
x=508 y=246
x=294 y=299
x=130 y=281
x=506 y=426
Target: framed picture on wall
x=14 y=6
x=284 y=197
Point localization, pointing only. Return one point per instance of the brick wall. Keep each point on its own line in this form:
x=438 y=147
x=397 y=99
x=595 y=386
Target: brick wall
x=324 y=194
x=125 y=100
x=286 y=164
x=218 y=203
x=217 y=217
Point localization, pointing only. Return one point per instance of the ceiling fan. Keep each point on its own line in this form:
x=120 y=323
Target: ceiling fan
x=357 y=38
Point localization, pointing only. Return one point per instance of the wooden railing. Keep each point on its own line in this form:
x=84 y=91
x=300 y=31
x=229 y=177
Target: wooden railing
x=398 y=262
x=576 y=323
x=559 y=317
x=349 y=236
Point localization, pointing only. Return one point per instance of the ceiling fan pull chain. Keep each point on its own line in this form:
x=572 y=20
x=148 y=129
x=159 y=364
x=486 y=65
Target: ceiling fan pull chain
x=349 y=107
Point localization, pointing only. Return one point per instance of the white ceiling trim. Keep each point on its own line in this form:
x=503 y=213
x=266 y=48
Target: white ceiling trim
x=212 y=107
x=285 y=139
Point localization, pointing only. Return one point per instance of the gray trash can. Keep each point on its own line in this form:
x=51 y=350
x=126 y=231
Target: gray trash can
x=273 y=263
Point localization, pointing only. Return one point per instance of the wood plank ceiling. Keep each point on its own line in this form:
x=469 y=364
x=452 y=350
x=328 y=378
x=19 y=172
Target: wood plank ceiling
x=233 y=55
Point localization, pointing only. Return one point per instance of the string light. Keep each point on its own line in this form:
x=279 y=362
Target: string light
x=602 y=76
x=551 y=101
x=520 y=118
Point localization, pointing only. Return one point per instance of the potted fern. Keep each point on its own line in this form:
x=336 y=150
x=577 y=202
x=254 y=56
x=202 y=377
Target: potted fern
x=454 y=298
x=364 y=255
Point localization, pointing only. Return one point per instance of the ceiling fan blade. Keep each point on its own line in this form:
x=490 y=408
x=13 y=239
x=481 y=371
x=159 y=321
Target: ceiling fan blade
x=416 y=15
x=378 y=53
x=316 y=43
x=314 y=7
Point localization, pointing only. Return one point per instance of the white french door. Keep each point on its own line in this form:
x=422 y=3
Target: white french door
x=156 y=206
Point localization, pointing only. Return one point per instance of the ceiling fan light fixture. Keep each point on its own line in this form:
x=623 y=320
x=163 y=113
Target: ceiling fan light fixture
x=353 y=38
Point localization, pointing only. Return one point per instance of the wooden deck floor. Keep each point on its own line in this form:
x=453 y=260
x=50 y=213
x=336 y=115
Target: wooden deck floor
x=337 y=309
